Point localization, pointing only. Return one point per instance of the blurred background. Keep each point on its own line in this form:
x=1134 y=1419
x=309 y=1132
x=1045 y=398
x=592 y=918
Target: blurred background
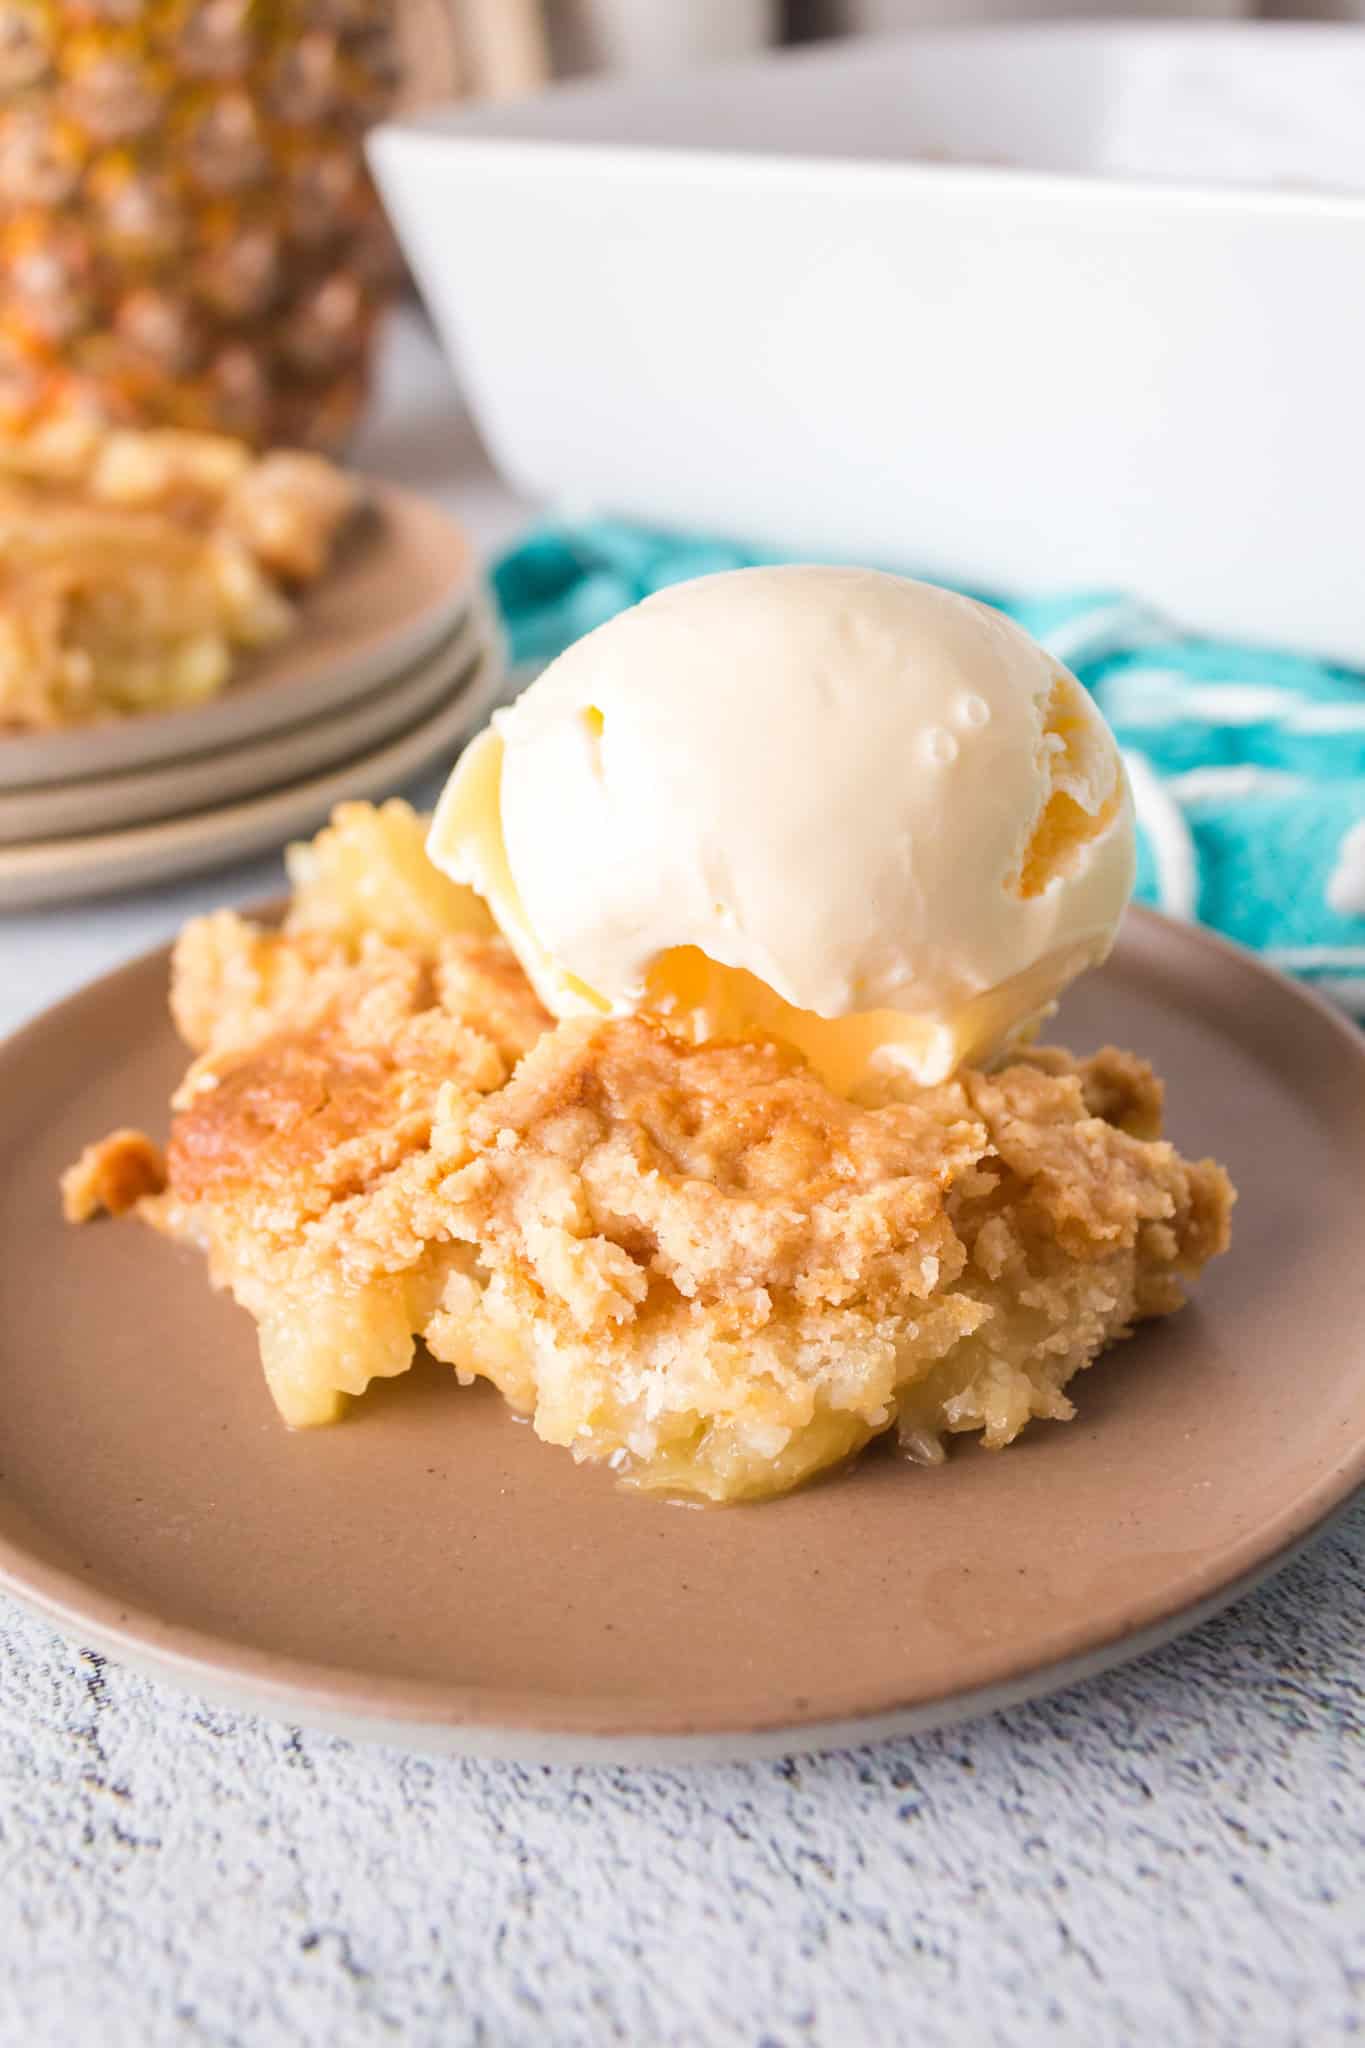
x=187 y=232
x=643 y=35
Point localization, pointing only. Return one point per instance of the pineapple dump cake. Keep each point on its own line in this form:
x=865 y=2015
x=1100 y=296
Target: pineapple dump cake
x=718 y=1261
x=136 y=566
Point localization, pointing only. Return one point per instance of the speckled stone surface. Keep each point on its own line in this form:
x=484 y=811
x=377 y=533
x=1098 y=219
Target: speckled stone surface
x=1173 y=1854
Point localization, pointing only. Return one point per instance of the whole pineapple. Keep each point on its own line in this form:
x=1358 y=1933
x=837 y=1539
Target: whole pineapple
x=187 y=233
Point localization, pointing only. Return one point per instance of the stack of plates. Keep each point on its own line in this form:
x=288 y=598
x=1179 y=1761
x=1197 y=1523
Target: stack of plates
x=394 y=662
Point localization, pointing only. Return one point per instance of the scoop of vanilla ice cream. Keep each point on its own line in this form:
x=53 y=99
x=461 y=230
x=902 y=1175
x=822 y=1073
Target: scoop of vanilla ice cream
x=852 y=811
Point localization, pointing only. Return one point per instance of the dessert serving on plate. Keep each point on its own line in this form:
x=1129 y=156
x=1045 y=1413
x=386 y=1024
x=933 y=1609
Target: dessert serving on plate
x=682 y=1085
x=137 y=566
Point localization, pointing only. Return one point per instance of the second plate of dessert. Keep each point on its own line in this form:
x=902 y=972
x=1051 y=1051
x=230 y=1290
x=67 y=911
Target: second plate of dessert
x=402 y=581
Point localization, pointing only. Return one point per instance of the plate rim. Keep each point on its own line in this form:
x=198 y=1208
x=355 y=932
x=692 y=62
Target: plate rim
x=80 y=867
x=490 y=1721
x=587 y=1735
x=417 y=689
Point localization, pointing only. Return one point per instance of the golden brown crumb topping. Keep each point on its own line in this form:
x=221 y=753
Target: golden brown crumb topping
x=323 y=1105
x=695 y=1261
x=718 y=1168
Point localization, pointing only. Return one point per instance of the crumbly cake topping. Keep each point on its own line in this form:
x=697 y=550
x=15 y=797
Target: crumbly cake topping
x=696 y=1261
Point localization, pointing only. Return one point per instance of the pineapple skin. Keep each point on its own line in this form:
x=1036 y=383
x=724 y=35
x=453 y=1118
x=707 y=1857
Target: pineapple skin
x=188 y=236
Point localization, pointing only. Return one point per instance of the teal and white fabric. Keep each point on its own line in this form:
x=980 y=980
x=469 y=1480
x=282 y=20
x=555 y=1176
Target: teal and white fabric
x=1247 y=764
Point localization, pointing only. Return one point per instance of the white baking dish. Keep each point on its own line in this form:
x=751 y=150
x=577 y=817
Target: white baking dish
x=1036 y=307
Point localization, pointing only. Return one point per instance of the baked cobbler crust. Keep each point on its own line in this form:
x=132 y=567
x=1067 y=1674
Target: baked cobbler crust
x=696 y=1262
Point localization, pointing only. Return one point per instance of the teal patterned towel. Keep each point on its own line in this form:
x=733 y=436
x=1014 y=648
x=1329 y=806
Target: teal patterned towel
x=1247 y=765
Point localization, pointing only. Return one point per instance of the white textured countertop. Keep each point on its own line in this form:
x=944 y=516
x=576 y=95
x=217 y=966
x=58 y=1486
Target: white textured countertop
x=1172 y=1854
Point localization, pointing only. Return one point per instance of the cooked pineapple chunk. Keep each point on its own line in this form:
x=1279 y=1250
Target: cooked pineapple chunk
x=368 y=872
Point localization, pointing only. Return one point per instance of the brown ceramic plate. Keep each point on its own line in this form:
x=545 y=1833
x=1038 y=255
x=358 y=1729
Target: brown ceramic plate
x=431 y=1572
x=399 y=585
